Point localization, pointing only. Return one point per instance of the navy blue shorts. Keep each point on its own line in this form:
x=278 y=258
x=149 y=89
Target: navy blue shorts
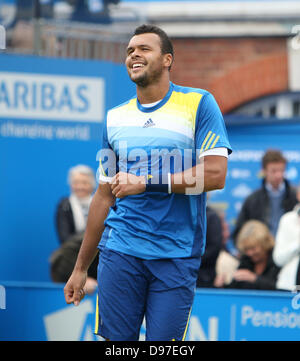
x=130 y=288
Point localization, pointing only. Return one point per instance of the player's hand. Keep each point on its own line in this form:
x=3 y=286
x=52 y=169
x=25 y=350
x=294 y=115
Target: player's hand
x=74 y=289
x=125 y=184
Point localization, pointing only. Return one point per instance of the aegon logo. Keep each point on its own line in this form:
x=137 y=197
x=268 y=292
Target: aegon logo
x=2 y=298
x=53 y=97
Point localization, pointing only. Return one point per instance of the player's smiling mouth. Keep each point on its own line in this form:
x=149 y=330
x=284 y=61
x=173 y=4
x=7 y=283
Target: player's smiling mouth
x=137 y=66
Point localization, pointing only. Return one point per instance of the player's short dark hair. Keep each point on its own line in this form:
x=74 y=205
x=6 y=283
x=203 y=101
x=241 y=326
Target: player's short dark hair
x=272 y=156
x=166 y=44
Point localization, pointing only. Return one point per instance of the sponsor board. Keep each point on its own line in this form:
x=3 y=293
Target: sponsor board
x=51 y=97
x=217 y=315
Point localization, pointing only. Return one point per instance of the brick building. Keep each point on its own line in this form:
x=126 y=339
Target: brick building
x=236 y=71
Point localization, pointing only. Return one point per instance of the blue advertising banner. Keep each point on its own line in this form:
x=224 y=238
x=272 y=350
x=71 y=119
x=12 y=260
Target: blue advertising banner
x=31 y=312
x=51 y=116
x=245 y=316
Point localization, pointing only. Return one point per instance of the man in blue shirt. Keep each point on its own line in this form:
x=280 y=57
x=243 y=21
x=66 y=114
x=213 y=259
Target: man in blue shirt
x=161 y=151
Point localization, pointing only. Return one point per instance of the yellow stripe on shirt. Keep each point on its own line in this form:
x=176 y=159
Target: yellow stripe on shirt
x=102 y=169
x=210 y=140
x=215 y=142
x=205 y=140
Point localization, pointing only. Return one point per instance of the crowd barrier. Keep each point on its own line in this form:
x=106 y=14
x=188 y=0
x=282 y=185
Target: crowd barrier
x=38 y=312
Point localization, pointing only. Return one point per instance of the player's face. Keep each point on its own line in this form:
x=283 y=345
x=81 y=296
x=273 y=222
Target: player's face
x=81 y=185
x=274 y=173
x=144 y=61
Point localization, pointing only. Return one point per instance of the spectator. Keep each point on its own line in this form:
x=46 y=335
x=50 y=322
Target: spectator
x=63 y=259
x=72 y=211
x=273 y=199
x=71 y=218
x=286 y=252
x=207 y=271
x=256 y=269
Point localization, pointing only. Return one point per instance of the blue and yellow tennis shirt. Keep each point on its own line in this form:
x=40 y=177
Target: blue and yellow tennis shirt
x=167 y=137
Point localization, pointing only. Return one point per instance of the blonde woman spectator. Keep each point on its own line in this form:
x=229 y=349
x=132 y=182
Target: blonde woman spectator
x=257 y=269
x=286 y=252
x=72 y=211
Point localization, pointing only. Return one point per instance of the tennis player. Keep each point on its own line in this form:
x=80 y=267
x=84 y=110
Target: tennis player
x=162 y=150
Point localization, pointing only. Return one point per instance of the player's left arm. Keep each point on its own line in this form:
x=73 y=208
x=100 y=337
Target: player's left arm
x=215 y=170
x=208 y=175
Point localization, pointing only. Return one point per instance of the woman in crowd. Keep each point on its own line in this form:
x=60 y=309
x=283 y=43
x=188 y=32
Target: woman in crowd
x=72 y=211
x=257 y=269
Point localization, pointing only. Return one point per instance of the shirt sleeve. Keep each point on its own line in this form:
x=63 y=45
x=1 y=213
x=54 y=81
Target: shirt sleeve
x=216 y=151
x=210 y=130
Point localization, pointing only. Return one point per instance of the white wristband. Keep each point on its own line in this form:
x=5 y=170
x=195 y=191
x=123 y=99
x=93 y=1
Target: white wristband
x=169 y=183
x=105 y=179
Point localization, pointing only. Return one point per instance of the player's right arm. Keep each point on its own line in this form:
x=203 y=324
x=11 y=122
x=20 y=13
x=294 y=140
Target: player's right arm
x=102 y=200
